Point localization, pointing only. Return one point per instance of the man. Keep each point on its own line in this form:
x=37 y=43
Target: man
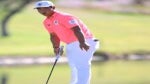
x=80 y=43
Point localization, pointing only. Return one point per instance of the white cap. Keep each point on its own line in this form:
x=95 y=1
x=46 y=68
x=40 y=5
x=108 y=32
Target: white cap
x=40 y=4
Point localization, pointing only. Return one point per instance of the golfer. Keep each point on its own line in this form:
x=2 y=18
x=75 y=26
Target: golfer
x=80 y=43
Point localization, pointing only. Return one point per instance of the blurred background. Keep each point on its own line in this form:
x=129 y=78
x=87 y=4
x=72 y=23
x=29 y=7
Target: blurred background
x=122 y=26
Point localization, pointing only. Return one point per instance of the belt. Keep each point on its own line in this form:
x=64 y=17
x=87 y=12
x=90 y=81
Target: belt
x=95 y=40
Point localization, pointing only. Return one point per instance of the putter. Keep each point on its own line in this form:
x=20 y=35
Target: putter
x=57 y=57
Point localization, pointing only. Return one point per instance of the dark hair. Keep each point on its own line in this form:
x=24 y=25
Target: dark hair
x=47 y=7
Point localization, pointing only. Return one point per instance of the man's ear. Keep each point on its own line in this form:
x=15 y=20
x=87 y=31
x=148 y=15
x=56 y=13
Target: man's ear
x=53 y=7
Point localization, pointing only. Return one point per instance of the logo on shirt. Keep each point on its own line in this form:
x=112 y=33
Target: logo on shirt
x=55 y=22
x=72 y=22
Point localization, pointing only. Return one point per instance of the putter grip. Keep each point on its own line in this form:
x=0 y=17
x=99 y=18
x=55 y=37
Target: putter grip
x=59 y=53
x=61 y=50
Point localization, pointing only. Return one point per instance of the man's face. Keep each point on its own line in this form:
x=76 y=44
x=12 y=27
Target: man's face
x=46 y=11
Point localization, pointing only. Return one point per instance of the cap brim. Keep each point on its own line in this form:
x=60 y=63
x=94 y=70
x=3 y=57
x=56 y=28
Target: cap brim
x=42 y=7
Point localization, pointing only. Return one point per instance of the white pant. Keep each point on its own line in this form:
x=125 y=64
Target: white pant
x=80 y=61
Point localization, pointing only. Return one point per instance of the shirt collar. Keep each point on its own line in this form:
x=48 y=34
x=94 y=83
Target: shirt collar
x=53 y=16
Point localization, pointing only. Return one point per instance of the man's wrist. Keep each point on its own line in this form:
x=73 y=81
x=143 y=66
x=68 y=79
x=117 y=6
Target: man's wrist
x=55 y=47
x=83 y=42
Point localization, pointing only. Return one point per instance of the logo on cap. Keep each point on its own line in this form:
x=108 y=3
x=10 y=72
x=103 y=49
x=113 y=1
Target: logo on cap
x=39 y=4
x=56 y=22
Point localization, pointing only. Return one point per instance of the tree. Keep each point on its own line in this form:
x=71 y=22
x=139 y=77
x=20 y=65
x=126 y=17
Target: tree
x=138 y=2
x=8 y=8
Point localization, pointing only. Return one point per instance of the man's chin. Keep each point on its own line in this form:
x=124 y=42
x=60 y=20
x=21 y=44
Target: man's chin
x=47 y=15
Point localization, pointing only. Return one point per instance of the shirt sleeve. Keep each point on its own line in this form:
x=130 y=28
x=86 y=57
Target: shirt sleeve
x=70 y=22
x=47 y=26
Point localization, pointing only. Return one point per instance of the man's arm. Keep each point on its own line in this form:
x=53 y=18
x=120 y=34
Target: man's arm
x=55 y=42
x=78 y=33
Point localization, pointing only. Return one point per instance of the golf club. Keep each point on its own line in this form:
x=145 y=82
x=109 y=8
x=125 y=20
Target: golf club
x=57 y=57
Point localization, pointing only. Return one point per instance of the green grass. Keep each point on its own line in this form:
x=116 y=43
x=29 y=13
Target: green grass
x=118 y=33
x=112 y=72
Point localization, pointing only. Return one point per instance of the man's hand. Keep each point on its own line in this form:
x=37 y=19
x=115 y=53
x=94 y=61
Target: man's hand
x=56 y=51
x=84 y=46
x=78 y=33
